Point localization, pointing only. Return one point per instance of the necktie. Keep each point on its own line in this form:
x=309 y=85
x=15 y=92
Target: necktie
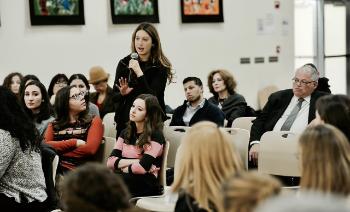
x=292 y=116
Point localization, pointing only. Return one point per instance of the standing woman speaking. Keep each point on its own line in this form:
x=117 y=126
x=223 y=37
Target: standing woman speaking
x=144 y=71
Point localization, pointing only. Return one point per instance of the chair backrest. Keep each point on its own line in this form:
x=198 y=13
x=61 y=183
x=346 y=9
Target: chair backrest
x=174 y=137
x=278 y=154
x=109 y=125
x=54 y=168
x=240 y=139
x=107 y=148
x=264 y=93
x=243 y=123
x=162 y=176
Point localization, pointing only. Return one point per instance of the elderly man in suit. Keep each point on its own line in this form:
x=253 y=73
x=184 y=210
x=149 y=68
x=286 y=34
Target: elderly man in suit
x=287 y=110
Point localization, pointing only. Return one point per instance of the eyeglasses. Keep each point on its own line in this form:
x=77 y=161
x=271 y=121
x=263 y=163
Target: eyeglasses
x=302 y=82
x=78 y=96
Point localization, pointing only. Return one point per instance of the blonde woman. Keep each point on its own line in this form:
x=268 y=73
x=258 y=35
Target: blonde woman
x=245 y=190
x=207 y=159
x=325 y=160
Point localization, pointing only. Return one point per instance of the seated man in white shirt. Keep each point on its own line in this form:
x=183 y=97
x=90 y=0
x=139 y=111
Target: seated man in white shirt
x=287 y=110
x=196 y=108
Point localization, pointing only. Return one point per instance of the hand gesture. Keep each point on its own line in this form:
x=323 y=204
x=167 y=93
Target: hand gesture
x=135 y=66
x=124 y=88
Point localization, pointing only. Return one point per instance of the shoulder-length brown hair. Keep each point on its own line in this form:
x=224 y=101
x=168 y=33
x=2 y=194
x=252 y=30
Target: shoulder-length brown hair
x=153 y=120
x=157 y=55
x=208 y=157
x=62 y=109
x=228 y=79
x=325 y=160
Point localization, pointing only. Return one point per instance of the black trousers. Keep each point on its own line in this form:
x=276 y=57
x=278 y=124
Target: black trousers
x=9 y=203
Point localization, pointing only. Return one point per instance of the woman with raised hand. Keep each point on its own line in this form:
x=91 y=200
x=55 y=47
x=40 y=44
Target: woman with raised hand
x=137 y=153
x=206 y=159
x=36 y=104
x=79 y=81
x=146 y=70
x=22 y=182
x=222 y=85
x=325 y=160
x=74 y=134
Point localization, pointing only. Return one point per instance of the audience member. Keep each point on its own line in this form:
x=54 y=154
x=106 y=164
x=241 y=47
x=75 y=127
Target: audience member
x=304 y=202
x=207 y=158
x=36 y=104
x=196 y=108
x=144 y=73
x=22 y=182
x=79 y=81
x=104 y=97
x=57 y=82
x=322 y=84
x=13 y=82
x=94 y=188
x=222 y=85
x=287 y=110
x=325 y=160
x=26 y=79
x=75 y=135
x=137 y=153
x=334 y=110
x=245 y=190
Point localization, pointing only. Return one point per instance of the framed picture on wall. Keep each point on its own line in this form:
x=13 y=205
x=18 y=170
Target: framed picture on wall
x=202 y=11
x=57 y=12
x=134 y=11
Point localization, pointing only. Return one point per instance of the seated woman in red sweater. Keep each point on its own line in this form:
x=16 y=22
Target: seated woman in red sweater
x=74 y=134
x=137 y=153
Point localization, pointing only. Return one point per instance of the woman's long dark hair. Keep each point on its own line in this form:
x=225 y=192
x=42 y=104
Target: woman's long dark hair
x=62 y=109
x=24 y=82
x=8 y=79
x=153 y=120
x=45 y=110
x=16 y=121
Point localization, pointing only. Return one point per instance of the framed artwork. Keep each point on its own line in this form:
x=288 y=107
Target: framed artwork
x=57 y=12
x=134 y=11
x=202 y=11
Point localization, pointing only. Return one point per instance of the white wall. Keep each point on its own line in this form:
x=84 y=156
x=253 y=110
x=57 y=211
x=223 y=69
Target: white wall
x=194 y=49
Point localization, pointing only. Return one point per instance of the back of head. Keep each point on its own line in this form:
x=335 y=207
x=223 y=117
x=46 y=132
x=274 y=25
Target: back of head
x=245 y=190
x=325 y=160
x=16 y=121
x=208 y=158
x=335 y=110
x=304 y=202
x=94 y=188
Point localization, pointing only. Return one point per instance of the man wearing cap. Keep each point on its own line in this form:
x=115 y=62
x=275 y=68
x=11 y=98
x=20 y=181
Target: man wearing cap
x=104 y=95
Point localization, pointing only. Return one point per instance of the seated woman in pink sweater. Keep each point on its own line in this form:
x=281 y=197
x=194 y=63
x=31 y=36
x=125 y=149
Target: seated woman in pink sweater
x=75 y=135
x=137 y=153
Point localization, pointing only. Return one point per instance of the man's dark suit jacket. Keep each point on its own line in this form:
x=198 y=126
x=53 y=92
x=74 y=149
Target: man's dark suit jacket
x=274 y=109
x=209 y=112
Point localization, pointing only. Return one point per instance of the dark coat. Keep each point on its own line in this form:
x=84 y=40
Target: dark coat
x=152 y=82
x=233 y=107
x=274 y=109
x=108 y=105
x=208 y=112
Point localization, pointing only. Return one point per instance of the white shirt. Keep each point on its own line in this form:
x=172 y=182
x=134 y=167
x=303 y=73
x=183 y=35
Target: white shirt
x=190 y=111
x=301 y=121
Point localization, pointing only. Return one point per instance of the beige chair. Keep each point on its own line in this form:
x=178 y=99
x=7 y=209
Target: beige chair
x=109 y=125
x=278 y=155
x=264 y=93
x=240 y=138
x=243 y=123
x=174 y=137
x=107 y=148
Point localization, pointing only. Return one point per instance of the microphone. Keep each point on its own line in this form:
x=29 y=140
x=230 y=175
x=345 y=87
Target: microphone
x=134 y=56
